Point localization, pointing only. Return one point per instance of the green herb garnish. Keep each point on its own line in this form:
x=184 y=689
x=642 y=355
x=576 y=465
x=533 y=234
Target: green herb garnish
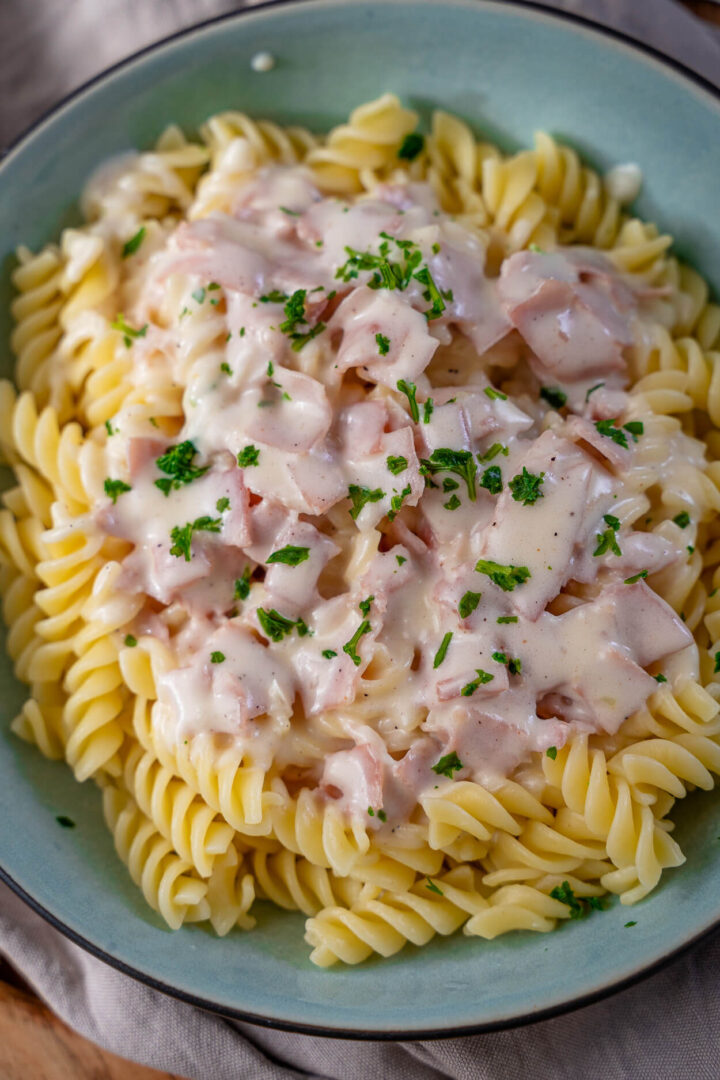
x=411 y=146
x=289 y=555
x=410 y=391
x=682 y=519
x=525 y=487
x=177 y=462
x=397 y=465
x=551 y=752
x=130 y=641
x=114 y=488
x=350 y=647
x=242 y=585
x=278 y=626
x=460 y=462
x=383 y=344
x=468 y=602
x=128 y=332
x=181 y=536
x=554 y=396
x=132 y=245
x=360 y=497
x=635 y=577
x=447 y=765
x=440 y=654
x=505 y=577
x=217 y=657
x=491 y=480
x=482 y=677
x=248 y=456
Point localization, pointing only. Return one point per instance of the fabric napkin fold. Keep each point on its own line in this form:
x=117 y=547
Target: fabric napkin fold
x=665 y=1028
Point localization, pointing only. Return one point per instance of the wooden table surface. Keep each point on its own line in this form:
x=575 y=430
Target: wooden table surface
x=34 y=1044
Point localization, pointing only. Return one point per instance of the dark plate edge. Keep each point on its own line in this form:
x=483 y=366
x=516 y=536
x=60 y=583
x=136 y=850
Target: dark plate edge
x=311 y=1029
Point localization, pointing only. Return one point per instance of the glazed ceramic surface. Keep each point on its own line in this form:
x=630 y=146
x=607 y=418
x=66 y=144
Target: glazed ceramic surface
x=507 y=70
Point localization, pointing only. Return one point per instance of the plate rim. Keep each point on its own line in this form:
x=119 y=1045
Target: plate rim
x=609 y=35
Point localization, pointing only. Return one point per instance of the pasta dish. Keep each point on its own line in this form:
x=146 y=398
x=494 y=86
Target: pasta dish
x=363 y=541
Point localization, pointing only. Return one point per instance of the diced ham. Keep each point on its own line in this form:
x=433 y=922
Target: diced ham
x=572 y=309
x=546 y=535
x=367 y=313
x=141 y=452
x=488 y=748
x=357 y=775
x=293 y=589
x=581 y=430
x=371 y=471
x=637 y=619
x=295 y=423
x=462 y=416
x=361 y=426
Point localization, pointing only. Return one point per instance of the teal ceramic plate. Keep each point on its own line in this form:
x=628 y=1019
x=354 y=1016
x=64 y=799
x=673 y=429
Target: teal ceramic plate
x=507 y=69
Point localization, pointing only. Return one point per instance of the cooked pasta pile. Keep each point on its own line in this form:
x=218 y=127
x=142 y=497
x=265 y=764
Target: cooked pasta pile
x=260 y=635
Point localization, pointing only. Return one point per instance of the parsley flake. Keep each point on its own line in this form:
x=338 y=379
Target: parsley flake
x=442 y=651
x=181 y=536
x=482 y=677
x=329 y=653
x=383 y=344
x=109 y=428
x=716 y=669
x=128 y=332
x=397 y=464
x=177 y=462
x=360 y=497
x=242 y=585
x=555 y=397
x=222 y=504
x=460 y=462
x=551 y=752
x=132 y=245
x=350 y=647
x=525 y=487
x=248 y=456
x=289 y=555
x=428 y=410
x=635 y=577
x=278 y=626
x=447 y=765
x=217 y=657
x=682 y=519
x=609 y=429
x=468 y=602
x=491 y=480
x=433 y=887
x=495 y=395
x=66 y=822
x=659 y=678
x=400 y=559
x=397 y=500
x=410 y=391
x=453 y=503
x=130 y=641
x=505 y=577
x=114 y=488
x=411 y=146
x=495 y=449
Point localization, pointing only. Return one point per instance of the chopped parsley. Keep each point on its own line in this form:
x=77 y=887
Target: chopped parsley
x=383 y=344
x=386 y=274
x=482 y=677
x=453 y=503
x=460 y=462
x=507 y=618
x=447 y=765
x=659 y=678
x=468 y=602
x=291 y=213
x=525 y=487
x=428 y=409
x=411 y=146
x=397 y=464
x=66 y=822
x=289 y=555
x=365 y=605
x=350 y=647
x=505 y=577
x=128 y=332
x=382 y=815
x=130 y=641
x=682 y=519
x=278 y=626
x=132 y=245
x=607 y=541
x=225 y=368
x=632 y=922
x=410 y=391
x=432 y=294
x=360 y=497
x=400 y=559
x=177 y=462
x=635 y=577
x=554 y=396
x=593 y=389
x=396 y=502
x=329 y=653
x=551 y=752
x=442 y=651
x=610 y=429
x=716 y=669
x=433 y=887
x=635 y=427
x=495 y=449
x=270 y=369
x=222 y=504
x=491 y=480
x=274 y=297
x=109 y=428
x=114 y=488
x=513 y=666
x=294 y=312
x=249 y=455
x=181 y=536
x=578 y=907
x=242 y=585
x=299 y=341
x=217 y=657
x=495 y=395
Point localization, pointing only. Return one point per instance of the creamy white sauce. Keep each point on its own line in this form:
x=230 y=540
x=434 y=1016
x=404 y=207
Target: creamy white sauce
x=367 y=577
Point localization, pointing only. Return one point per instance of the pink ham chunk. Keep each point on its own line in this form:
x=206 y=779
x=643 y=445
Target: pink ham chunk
x=293 y=588
x=579 y=429
x=547 y=536
x=295 y=423
x=367 y=450
x=462 y=416
x=459 y=670
x=141 y=452
x=367 y=313
x=572 y=309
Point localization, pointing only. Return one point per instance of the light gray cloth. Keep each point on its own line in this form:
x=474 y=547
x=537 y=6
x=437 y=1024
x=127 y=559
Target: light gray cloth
x=666 y=1028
